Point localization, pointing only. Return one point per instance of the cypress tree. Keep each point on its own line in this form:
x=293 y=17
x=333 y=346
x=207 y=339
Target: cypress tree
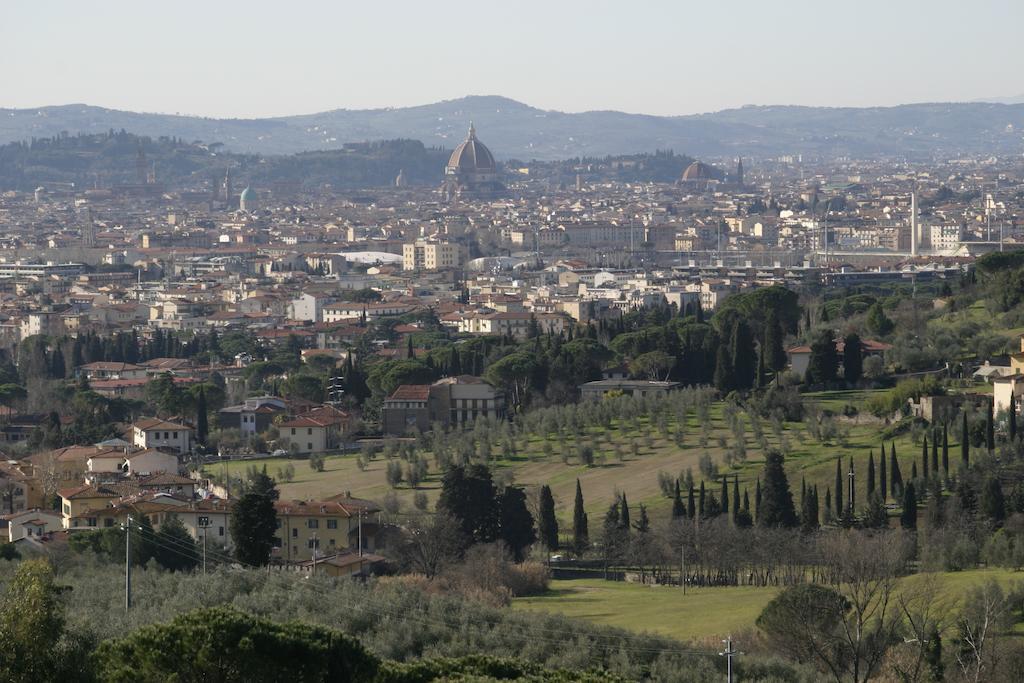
x=725 y=495
x=678 y=509
x=580 y=533
x=871 y=473
x=839 y=487
x=746 y=501
x=775 y=350
x=702 y=498
x=735 y=495
x=724 y=379
x=896 y=477
x=993 y=502
x=883 y=484
x=757 y=498
x=990 y=435
x=547 y=523
x=762 y=379
x=202 y=424
x=828 y=503
x=935 y=454
x=908 y=518
x=254 y=521
x=743 y=355
x=913 y=471
x=945 y=450
x=691 y=506
x=853 y=358
x=965 y=445
x=1011 y=415
x=924 y=457
x=777 y=503
x=624 y=512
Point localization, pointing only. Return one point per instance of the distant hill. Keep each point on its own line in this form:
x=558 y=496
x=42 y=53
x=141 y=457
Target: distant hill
x=517 y=131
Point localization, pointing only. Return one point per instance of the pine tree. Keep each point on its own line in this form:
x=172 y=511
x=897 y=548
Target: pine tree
x=691 y=506
x=515 y=523
x=547 y=523
x=725 y=495
x=624 y=513
x=965 y=445
x=580 y=533
x=777 y=502
x=840 y=510
x=871 y=473
x=908 y=518
x=993 y=502
x=934 y=469
x=702 y=499
x=853 y=358
x=823 y=364
x=828 y=504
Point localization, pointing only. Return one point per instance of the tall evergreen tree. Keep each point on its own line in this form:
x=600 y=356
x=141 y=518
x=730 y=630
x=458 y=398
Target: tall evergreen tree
x=828 y=504
x=777 y=501
x=908 y=518
x=624 y=513
x=202 y=417
x=895 y=476
x=725 y=380
x=945 y=451
x=853 y=358
x=1011 y=416
x=840 y=510
x=965 y=444
x=691 y=505
x=254 y=521
x=924 y=456
x=990 y=430
x=993 y=502
x=743 y=356
x=757 y=498
x=580 y=532
x=871 y=473
x=547 y=523
x=735 y=495
x=468 y=495
x=515 y=523
x=774 y=342
x=883 y=483
x=725 y=495
x=823 y=365
x=702 y=499
x=678 y=507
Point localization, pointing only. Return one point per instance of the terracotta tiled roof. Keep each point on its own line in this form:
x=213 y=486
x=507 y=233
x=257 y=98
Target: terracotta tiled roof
x=411 y=392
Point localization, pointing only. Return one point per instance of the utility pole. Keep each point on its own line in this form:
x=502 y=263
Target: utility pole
x=128 y=564
x=359 y=517
x=849 y=498
x=729 y=654
x=204 y=523
x=316 y=544
x=682 y=568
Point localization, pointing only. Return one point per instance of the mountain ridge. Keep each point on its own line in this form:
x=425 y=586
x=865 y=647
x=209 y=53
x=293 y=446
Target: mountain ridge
x=515 y=130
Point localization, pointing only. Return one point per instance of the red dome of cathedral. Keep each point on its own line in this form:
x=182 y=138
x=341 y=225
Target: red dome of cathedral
x=698 y=171
x=472 y=155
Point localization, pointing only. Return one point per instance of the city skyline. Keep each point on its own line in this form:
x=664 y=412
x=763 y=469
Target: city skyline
x=260 y=60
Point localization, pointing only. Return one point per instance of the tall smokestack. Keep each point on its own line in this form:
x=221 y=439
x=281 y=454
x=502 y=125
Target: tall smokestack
x=913 y=224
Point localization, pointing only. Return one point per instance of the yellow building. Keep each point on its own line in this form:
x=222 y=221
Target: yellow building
x=429 y=255
x=329 y=526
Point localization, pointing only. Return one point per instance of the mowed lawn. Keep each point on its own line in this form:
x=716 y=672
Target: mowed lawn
x=703 y=614
x=707 y=615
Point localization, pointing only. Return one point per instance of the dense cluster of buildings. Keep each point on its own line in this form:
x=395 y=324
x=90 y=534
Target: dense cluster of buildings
x=493 y=251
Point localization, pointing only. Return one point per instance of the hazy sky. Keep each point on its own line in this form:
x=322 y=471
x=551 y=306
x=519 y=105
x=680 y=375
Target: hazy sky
x=220 y=58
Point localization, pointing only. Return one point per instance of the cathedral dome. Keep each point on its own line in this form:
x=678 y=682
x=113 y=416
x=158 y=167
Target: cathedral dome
x=698 y=170
x=472 y=155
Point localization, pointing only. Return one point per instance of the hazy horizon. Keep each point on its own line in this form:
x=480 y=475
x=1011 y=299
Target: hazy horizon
x=261 y=59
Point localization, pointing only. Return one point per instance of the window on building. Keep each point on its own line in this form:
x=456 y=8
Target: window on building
x=295 y=532
x=313 y=523
x=220 y=531
x=309 y=431
x=91 y=521
x=293 y=431
x=332 y=524
x=313 y=543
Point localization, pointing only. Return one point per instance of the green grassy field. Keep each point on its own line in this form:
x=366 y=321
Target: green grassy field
x=636 y=475
x=704 y=614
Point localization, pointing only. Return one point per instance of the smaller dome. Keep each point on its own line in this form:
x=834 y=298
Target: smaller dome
x=247 y=195
x=698 y=170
